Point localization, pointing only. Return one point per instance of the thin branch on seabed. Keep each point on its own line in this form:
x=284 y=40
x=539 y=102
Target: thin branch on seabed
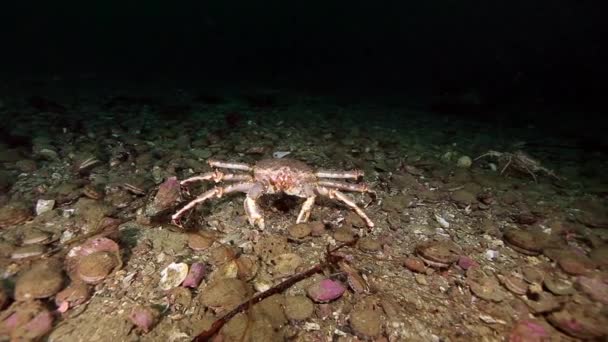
x=330 y=259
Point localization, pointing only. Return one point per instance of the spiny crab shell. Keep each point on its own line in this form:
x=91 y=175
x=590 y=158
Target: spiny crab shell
x=273 y=176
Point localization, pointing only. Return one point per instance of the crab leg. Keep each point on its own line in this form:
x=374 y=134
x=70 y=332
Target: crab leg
x=359 y=187
x=215 y=192
x=229 y=165
x=306 y=208
x=333 y=193
x=353 y=174
x=254 y=214
x=217 y=176
x=506 y=165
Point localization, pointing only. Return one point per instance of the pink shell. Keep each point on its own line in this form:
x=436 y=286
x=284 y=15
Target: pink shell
x=326 y=290
x=143 y=318
x=93 y=245
x=40 y=325
x=594 y=288
x=528 y=330
x=465 y=262
x=195 y=275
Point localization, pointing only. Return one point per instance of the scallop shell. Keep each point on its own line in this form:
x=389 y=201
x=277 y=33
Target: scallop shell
x=93 y=245
x=13 y=215
x=43 y=280
x=173 y=275
x=95 y=267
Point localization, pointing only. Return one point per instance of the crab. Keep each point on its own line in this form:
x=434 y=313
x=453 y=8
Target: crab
x=276 y=176
x=521 y=162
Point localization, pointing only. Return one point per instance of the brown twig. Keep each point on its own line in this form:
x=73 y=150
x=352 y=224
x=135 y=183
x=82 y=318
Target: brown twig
x=330 y=259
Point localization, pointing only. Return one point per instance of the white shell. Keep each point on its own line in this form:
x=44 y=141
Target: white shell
x=173 y=275
x=442 y=222
x=280 y=154
x=43 y=206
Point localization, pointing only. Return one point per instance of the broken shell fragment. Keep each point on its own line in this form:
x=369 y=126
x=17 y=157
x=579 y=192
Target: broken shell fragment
x=325 y=290
x=173 y=275
x=195 y=276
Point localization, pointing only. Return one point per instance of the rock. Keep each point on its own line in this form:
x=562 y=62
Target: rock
x=414 y=265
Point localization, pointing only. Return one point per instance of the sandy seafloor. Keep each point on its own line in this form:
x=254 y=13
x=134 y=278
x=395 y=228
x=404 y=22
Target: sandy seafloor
x=459 y=252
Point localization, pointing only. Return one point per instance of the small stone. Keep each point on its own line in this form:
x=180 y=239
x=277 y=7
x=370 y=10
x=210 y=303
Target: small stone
x=414 y=265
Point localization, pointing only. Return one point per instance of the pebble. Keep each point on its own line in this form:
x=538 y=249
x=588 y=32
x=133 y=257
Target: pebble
x=414 y=265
